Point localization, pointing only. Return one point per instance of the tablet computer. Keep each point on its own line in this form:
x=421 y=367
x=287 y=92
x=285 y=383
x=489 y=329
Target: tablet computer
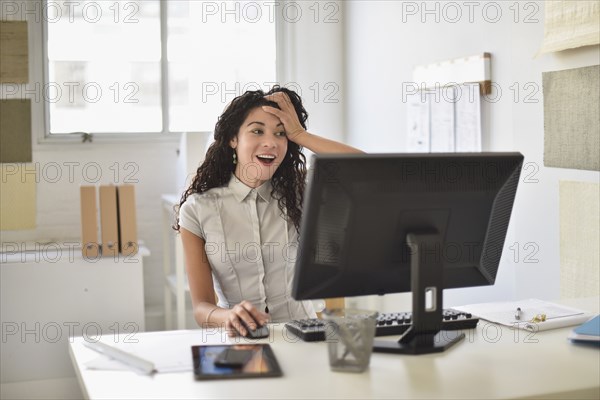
x=234 y=361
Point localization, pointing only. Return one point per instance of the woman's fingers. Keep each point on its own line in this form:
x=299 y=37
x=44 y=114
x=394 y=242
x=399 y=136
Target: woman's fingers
x=292 y=125
x=258 y=317
x=242 y=314
x=246 y=312
x=286 y=113
x=282 y=99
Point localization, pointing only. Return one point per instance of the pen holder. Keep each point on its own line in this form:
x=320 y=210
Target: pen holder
x=350 y=336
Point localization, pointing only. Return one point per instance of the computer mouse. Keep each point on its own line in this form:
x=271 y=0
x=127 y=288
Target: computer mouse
x=258 y=333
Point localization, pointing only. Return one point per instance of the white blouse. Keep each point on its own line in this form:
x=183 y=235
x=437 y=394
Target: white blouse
x=250 y=246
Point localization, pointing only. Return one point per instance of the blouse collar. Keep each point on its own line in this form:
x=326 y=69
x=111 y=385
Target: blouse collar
x=241 y=190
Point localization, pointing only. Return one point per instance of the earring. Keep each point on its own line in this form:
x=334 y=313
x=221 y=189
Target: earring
x=234 y=158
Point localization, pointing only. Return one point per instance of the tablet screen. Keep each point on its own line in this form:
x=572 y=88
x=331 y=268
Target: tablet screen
x=261 y=362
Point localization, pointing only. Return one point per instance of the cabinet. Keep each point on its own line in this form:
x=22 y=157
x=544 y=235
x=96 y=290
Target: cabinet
x=49 y=293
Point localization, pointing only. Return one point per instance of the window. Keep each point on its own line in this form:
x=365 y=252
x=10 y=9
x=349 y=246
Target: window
x=110 y=62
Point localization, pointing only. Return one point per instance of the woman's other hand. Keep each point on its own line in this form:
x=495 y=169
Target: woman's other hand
x=252 y=317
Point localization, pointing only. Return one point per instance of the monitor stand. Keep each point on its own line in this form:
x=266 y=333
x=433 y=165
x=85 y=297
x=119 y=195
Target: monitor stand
x=425 y=335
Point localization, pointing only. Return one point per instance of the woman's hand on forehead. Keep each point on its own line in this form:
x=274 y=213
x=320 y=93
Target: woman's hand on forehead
x=286 y=113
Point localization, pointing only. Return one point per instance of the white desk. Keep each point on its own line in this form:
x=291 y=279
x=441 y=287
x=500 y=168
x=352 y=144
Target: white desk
x=492 y=362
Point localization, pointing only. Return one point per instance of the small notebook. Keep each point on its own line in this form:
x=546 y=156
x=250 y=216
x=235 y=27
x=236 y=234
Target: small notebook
x=589 y=332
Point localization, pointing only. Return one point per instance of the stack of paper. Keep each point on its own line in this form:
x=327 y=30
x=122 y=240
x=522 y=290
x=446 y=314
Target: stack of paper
x=505 y=313
x=170 y=352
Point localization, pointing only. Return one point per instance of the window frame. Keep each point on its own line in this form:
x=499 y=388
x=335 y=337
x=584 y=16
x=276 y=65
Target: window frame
x=165 y=135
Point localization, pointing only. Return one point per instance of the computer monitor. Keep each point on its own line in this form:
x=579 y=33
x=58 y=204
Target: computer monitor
x=388 y=223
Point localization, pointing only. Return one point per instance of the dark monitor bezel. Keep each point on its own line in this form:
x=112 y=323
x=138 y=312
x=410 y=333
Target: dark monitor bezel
x=428 y=178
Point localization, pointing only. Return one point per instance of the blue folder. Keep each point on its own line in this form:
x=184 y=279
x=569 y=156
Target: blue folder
x=590 y=328
x=587 y=334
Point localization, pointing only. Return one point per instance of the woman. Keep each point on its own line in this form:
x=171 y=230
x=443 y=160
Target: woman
x=240 y=217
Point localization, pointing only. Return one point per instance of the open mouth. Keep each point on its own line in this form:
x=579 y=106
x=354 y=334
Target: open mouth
x=266 y=159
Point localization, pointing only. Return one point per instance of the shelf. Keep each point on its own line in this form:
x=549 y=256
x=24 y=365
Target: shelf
x=172 y=283
x=173 y=268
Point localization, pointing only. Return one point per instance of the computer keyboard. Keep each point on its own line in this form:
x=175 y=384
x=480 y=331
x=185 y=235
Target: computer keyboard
x=314 y=330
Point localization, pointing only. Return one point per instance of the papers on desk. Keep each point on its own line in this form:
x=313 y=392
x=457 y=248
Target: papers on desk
x=504 y=313
x=174 y=358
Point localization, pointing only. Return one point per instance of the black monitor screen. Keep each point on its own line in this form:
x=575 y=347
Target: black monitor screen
x=359 y=208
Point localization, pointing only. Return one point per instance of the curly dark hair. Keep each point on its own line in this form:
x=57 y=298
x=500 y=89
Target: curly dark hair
x=289 y=179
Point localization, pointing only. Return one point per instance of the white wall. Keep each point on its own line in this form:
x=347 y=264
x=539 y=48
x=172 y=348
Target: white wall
x=311 y=57
x=312 y=61
x=367 y=54
x=63 y=167
x=385 y=40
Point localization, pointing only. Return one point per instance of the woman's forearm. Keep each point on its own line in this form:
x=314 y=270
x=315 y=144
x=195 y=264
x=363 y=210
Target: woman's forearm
x=318 y=144
x=207 y=314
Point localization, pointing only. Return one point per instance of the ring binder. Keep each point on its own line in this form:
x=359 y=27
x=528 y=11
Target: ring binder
x=108 y=220
x=90 y=249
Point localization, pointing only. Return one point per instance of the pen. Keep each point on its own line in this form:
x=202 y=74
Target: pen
x=131 y=360
x=518 y=313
